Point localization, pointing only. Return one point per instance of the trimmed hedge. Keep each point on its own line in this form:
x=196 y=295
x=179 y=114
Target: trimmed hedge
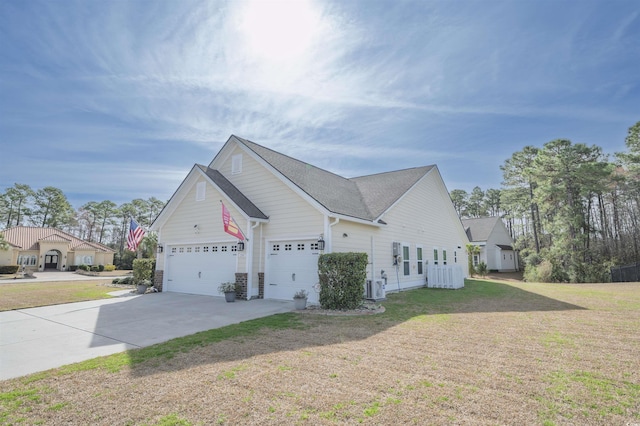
x=342 y=279
x=84 y=267
x=143 y=270
x=9 y=269
x=109 y=268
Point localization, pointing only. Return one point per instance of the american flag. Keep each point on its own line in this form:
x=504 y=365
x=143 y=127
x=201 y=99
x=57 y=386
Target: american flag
x=136 y=233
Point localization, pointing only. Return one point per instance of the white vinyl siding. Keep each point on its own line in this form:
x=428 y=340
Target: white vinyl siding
x=290 y=216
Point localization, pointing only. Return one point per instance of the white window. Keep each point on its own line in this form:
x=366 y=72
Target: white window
x=236 y=164
x=173 y=250
x=234 y=248
x=87 y=260
x=33 y=260
x=419 y=258
x=200 y=189
x=405 y=260
x=188 y=249
x=444 y=257
x=197 y=249
x=300 y=246
x=435 y=255
x=476 y=260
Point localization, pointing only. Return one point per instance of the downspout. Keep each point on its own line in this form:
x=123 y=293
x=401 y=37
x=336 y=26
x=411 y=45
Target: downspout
x=249 y=259
x=328 y=234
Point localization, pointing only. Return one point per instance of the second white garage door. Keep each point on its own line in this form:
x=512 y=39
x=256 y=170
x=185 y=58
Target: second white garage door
x=200 y=268
x=292 y=266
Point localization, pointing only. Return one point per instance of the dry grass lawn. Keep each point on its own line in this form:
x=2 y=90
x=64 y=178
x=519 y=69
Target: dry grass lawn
x=489 y=354
x=29 y=295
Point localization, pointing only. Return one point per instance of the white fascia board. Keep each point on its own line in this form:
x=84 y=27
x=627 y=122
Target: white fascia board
x=221 y=156
x=322 y=209
x=229 y=200
x=405 y=194
x=173 y=202
x=355 y=219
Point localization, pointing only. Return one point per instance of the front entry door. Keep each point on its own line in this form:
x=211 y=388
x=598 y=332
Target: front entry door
x=51 y=261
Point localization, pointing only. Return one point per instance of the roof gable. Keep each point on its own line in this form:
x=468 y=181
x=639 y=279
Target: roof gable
x=55 y=238
x=333 y=192
x=366 y=197
x=233 y=193
x=381 y=191
x=28 y=238
x=479 y=229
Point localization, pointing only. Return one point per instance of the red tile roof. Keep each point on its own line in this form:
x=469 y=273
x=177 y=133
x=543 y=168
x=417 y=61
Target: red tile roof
x=28 y=238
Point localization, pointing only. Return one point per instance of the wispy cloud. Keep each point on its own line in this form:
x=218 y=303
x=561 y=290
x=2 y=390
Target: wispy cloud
x=355 y=87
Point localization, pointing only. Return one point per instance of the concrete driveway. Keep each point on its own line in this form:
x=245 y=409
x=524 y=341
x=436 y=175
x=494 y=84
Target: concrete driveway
x=39 y=339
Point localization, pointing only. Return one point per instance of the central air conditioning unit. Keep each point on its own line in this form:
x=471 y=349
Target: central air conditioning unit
x=374 y=290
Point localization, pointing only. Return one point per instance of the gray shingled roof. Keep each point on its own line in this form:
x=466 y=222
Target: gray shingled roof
x=365 y=197
x=479 y=229
x=233 y=193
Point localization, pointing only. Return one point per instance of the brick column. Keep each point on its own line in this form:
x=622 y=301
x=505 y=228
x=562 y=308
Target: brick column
x=241 y=285
x=260 y=285
x=157 y=280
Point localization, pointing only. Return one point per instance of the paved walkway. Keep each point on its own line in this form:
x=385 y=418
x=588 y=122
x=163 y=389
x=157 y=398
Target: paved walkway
x=55 y=276
x=39 y=339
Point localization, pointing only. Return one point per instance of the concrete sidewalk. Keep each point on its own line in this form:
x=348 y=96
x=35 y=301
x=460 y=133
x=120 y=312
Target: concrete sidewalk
x=39 y=339
x=49 y=276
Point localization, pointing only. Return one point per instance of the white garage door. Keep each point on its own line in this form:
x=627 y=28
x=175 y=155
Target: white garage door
x=292 y=266
x=200 y=268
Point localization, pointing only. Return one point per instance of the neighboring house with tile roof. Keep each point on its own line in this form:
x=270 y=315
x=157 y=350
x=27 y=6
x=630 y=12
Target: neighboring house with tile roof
x=496 y=245
x=51 y=249
x=288 y=209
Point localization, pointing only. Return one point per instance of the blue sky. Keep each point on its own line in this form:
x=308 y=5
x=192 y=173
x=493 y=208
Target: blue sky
x=118 y=99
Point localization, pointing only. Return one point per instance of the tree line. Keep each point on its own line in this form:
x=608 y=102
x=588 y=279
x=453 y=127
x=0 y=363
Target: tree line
x=103 y=222
x=573 y=210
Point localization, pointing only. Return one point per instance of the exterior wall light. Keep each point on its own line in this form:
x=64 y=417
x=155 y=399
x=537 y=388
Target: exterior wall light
x=160 y=248
x=240 y=245
x=320 y=243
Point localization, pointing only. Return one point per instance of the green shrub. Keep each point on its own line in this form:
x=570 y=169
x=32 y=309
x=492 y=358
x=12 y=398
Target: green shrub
x=125 y=280
x=100 y=268
x=94 y=268
x=83 y=267
x=109 y=268
x=482 y=269
x=72 y=268
x=124 y=260
x=342 y=279
x=143 y=269
x=9 y=269
x=541 y=273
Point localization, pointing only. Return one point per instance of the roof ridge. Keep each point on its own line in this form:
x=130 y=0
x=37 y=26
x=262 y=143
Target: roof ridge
x=243 y=140
x=393 y=171
x=252 y=146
